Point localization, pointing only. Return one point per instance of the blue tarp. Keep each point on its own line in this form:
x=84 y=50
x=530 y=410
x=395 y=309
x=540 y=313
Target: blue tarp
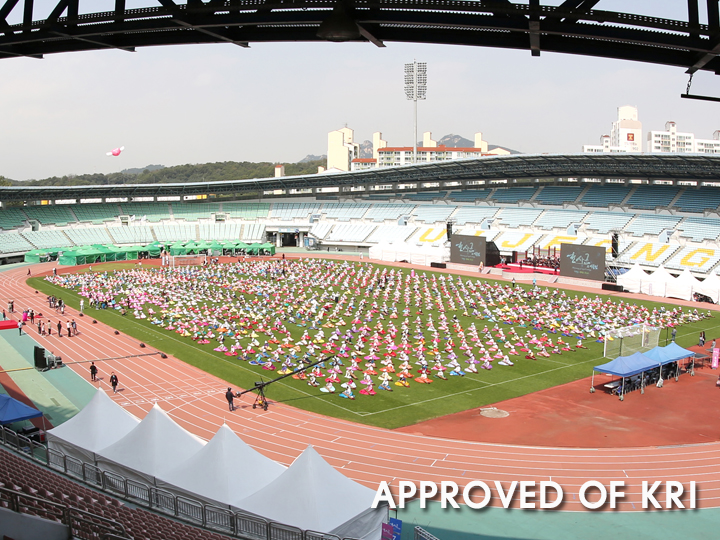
x=12 y=410
x=625 y=366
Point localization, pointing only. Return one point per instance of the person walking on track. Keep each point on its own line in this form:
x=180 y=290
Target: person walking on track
x=93 y=371
x=229 y=396
x=114 y=382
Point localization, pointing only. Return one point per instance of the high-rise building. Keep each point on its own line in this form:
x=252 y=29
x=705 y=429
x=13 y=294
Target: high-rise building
x=675 y=142
x=625 y=135
x=342 y=150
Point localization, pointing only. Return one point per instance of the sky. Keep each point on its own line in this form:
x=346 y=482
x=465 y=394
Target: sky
x=277 y=102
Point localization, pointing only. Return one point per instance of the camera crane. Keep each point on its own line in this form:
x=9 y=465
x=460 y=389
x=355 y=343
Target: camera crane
x=260 y=399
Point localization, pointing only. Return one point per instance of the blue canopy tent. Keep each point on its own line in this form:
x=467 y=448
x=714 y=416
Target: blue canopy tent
x=12 y=410
x=668 y=354
x=626 y=366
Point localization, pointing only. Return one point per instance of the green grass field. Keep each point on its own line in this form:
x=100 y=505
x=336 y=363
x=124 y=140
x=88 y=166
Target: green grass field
x=402 y=407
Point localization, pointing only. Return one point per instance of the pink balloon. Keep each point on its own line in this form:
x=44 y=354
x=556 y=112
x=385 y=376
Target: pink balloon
x=116 y=151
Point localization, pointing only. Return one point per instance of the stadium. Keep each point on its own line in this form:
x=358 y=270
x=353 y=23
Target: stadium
x=278 y=274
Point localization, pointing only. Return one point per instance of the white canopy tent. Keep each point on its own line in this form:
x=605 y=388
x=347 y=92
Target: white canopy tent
x=632 y=279
x=313 y=496
x=656 y=284
x=421 y=255
x=224 y=471
x=711 y=287
x=683 y=286
x=99 y=424
x=154 y=447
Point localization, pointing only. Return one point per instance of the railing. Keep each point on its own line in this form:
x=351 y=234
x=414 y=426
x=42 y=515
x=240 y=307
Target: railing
x=422 y=534
x=194 y=512
x=84 y=525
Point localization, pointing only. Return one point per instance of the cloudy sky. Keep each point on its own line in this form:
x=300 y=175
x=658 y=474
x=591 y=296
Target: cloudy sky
x=277 y=102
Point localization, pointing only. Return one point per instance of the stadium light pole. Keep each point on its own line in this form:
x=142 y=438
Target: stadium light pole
x=415 y=89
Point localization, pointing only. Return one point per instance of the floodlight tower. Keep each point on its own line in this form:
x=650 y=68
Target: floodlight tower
x=415 y=89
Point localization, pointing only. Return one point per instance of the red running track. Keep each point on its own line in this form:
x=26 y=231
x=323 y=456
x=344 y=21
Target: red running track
x=366 y=454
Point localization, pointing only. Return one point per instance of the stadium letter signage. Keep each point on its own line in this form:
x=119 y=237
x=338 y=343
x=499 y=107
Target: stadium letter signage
x=467 y=249
x=585 y=262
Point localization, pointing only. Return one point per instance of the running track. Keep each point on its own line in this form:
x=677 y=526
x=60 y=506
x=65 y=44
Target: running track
x=366 y=454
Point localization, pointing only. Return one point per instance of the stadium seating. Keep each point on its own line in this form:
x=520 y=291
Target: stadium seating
x=50 y=215
x=132 y=234
x=388 y=234
x=85 y=236
x=652 y=197
x=559 y=219
x=13 y=242
x=649 y=253
x=381 y=212
x=518 y=217
x=604 y=222
x=320 y=229
x=558 y=194
x=700 y=229
x=193 y=212
x=349 y=233
x=95 y=212
x=696 y=259
x=469 y=195
x=151 y=211
x=246 y=210
x=253 y=232
x=513 y=194
x=12 y=218
x=473 y=214
x=651 y=224
x=290 y=211
x=344 y=211
x=46 y=239
x=175 y=232
x=698 y=200
x=220 y=231
x=426 y=196
x=605 y=195
x=433 y=213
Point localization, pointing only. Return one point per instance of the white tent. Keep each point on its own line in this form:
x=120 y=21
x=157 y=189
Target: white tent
x=710 y=287
x=421 y=255
x=632 y=279
x=312 y=495
x=656 y=284
x=683 y=286
x=225 y=471
x=156 y=446
x=99 y=424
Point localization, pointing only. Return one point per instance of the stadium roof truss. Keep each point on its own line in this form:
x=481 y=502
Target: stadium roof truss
x=573 y=27
x=458 y=174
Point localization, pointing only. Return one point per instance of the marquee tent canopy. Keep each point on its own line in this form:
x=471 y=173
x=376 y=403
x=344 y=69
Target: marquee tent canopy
x=669 y=353
x=12 y=410
x=225 y=470
x=626 y=366
x=99 y=424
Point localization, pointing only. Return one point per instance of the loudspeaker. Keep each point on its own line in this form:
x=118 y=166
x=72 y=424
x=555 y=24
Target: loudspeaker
x=449 y=231
x=615 y=245
x=438 y=265
x=39 y=356
x=612 y=287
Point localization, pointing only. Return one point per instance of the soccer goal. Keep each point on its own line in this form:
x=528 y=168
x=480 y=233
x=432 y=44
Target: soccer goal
x=188 y=260
x=630 y=339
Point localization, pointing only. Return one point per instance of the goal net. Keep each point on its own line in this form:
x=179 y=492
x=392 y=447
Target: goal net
x=188 y=260
x=630 y=339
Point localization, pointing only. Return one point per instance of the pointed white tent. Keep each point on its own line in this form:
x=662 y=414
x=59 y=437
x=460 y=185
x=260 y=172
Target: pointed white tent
x=656 y=284
x=224 y=471
x=99 y=424
x=312 y=495
x=156 y=445
x=633 y=279
x=683 y=286
x=711 y=287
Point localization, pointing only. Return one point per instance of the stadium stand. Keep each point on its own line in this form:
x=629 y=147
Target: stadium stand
x=432 y=213
x=349 y=233
x=697 y=259
x=151 y=211
x=513 y=194
x=698 y=200
x=132 y=234
x=13 y=242
x=96 y=213
x=344 y=211
x=649 y=253
x=193 y=212
x=469 y=195
x=220 y=231
x=700 y=229
x=604 y=195
x=652 y=197
x=381 y=212
x=558 y=194
x=253 y=232
x=390 y=234
x=559 y=219
x=50 y=215
x=425 y=196
x=604 y=222
x=651 y=224
x=175 y=232
x=86 y=236
x=290 y=211
x=320 y=229
x=47 y=238
x=246 y=210
x=474 y=214
x=518 y=217
x=12 y=218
